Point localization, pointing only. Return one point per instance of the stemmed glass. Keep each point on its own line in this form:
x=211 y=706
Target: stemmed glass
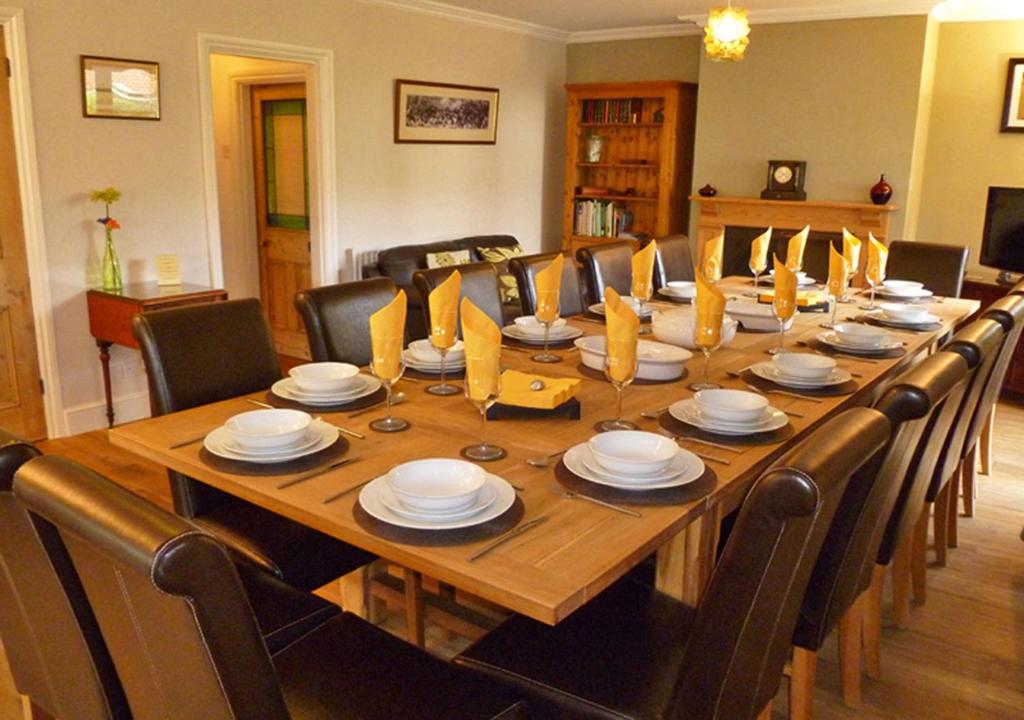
x=782 y=309
x=442 y=343
x=388 y=424
x=642 y=291
x=483 y=392
x=547 y=316
x=708 y=340
x=834 y=302
x=851 y=270
x=619 y=375
x=872 y=282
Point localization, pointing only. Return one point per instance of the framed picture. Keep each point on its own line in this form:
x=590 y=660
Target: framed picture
x=427 y=112
x=118 y=88
x=1013 y=102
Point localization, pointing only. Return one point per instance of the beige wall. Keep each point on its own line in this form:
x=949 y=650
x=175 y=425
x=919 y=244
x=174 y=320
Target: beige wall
x=387 y=194
x=842 y=95
x=670 y=58
x=966 y=151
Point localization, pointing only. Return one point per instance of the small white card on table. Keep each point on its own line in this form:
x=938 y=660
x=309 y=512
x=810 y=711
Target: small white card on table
x=168 y=270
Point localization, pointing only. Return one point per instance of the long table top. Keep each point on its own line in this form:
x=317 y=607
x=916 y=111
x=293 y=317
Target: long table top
x=554 y=568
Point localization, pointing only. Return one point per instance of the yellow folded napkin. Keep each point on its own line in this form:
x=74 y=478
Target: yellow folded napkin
x=711 y=258
x=878 y=254
x=623 y=329
x=482 y=340
x=759 y=251
x=549 y=288
x=784 y=295
x=836 y=272
x=515 y=390
x=851 y=252
x=795 y=249
x=387 y=338
x=709 y=306
x=643 y=271
x=444 y=311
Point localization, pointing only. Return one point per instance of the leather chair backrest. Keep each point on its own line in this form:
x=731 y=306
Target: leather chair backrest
x=167 y=597
x=606 y=265
x=1018 y=289
x=843 y=570
x=479 y=284
x=200 y=354
x=525 y=268
x=940 y=267
x=740 y=639
x=337 y=318
x=400 y=263
x=673 y=260
x=54 y=648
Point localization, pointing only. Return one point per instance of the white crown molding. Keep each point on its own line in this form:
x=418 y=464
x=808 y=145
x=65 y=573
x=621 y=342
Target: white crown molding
x=474 y=17
x=845 y=11
x=639 y=32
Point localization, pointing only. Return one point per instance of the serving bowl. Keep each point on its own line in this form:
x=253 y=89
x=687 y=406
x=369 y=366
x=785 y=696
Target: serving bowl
x=424 y=351
x=529 y=325
x=268 y=429
x=905 y=313
x=632 y=452
x=436 y=484
x=806 y=366
x=676 y=327
x=655 y=360
x=736 y=406
x=862 y=336
x=755 y=316
x=324 y=377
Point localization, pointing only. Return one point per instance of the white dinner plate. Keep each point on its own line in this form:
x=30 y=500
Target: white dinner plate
x=881 y=317
x=687 y=411
x=484 y=498
x=216 y=441
x=829 y=337
x=310 y=438
x=370 y=499
x=768 y=371
x=576 y=459
x=285 y=388
x=679 y=293
x=561 y=334
x=903 y=294
x=598 y=309
x=804 y=282
x=434 y=368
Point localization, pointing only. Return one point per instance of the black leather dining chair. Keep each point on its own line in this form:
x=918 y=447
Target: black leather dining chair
x=525 y=268
x=479 y=284
x=940 y=267
x=184 y=639
x=673 y=259
x=606 y=265
x=337 y=318
x=633 y=652
x=201 y=354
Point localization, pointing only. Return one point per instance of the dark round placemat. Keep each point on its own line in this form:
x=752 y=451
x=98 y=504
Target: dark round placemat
x=817 y=344
x=762 y=438
x=593 y=374
x=372 y=399
x=847 y=388
x=424 y=375
x=665 y=496
x=537 y=347
x=440 y=538
x=332 y=452
x=929 y=327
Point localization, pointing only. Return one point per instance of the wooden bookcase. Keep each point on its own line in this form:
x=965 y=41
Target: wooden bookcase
x=646 y=163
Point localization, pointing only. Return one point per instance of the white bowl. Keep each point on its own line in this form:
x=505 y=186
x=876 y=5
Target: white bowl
x=738 y=406
x=905 y=313
x=903 y=285
x=655 y=361
x=676 y=327
x=268 y=429
x=324 y=377
x=437 y=484
x=631 y=452
x=806 y=366
x=424 y=351
x=681 y=288
x=862 y=336
x=755 y=316
x=529 y=325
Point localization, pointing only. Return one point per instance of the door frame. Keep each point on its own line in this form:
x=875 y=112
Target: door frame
x=325 y=265
x=12 y=23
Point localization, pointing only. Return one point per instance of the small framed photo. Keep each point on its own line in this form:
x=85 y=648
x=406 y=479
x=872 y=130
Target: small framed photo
x=1013 y=102
x=428 y=112
x=118 y=88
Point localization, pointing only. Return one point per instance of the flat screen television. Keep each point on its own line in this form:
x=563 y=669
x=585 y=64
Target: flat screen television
x=1002 y=244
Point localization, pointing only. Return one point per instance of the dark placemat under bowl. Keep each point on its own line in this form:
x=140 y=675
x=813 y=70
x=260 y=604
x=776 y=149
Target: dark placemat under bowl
x=930 y=327
x=423 y=375
x=440 y=538
x=593 y=374
x=665 y=496
x=847 y=388
x=372 y=399
x=326 y=456
x=538 y=347
x=677 y=427
x=570 y=409
x=816 y=344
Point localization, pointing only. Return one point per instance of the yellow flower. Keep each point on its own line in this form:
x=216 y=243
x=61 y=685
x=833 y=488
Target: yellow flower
x=109 y=196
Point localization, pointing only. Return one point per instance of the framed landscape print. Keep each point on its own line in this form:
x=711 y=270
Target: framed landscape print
x=427 y=112
x=117 y=88
x=1013 y=102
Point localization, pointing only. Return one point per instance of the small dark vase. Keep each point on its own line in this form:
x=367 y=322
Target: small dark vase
x=707 y=191
x=881 y=192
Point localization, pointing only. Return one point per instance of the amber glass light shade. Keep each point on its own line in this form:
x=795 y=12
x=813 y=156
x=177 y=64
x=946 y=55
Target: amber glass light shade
x=725 y=35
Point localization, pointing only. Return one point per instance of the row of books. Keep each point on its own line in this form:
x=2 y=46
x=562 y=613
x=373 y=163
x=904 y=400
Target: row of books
x=626 y=110
x=601 y=218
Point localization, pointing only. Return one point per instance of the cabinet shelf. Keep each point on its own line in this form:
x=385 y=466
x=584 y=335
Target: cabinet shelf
x=631 y=166
x=622 y=124
x=627 y=198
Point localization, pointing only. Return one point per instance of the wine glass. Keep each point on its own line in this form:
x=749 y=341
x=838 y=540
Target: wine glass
x=619 y=374
x=442 y=339
x=547 y=315
x=833 y=300
x=783 y=310
x=708 y=340
x=851 y=269
x=388 y=424
x=642 y=291
x=483 y=392
x=872 y=282
x=756 y=269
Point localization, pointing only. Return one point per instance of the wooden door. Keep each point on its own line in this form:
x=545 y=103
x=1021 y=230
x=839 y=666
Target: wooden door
x=21 y=397
x=280 y=155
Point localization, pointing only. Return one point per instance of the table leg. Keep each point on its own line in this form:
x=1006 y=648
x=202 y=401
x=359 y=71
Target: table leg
x=104 y=347
x=685 y=563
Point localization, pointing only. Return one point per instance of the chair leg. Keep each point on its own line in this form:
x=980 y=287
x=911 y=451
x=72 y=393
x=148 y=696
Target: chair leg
x=872 y=624
x=801 y=684
x=940 y=525
x=31 y=711
x=850 y=626
x=356 y=596
x=969 y=479
x=986 y=441
x=901 y=583
x=953 y=509
x=766 y=714
x=414 y=608
x=919 y=559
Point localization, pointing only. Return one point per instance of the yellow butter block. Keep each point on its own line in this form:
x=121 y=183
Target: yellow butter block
x=515 y=390
x=804 y=298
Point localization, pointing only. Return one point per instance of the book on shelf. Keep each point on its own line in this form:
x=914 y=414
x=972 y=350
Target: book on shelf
x=601 y=218
x=625 y=111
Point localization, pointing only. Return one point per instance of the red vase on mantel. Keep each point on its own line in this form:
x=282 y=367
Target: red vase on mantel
x=881 y=192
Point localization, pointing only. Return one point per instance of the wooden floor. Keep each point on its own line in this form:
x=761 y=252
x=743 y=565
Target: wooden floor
x=962 y=656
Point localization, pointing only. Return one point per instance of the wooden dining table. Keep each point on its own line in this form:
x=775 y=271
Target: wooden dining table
x=581 y=548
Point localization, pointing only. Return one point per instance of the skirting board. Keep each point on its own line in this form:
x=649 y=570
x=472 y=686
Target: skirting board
x=93 y=416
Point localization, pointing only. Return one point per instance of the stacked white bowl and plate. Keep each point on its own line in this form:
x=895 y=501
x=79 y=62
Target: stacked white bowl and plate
x=633 y=460
x=598 y=308
x=754 y=316
x=270 y=436
x=802 y=278
x=808 y=371
x=325 y=383
x=655 y=360
x=903 y=315
x=681 y=290
x=528 y=330
x=903 y=290
x=421 y=355
x=860 y=339
x=729 y=412
x=437 y=494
